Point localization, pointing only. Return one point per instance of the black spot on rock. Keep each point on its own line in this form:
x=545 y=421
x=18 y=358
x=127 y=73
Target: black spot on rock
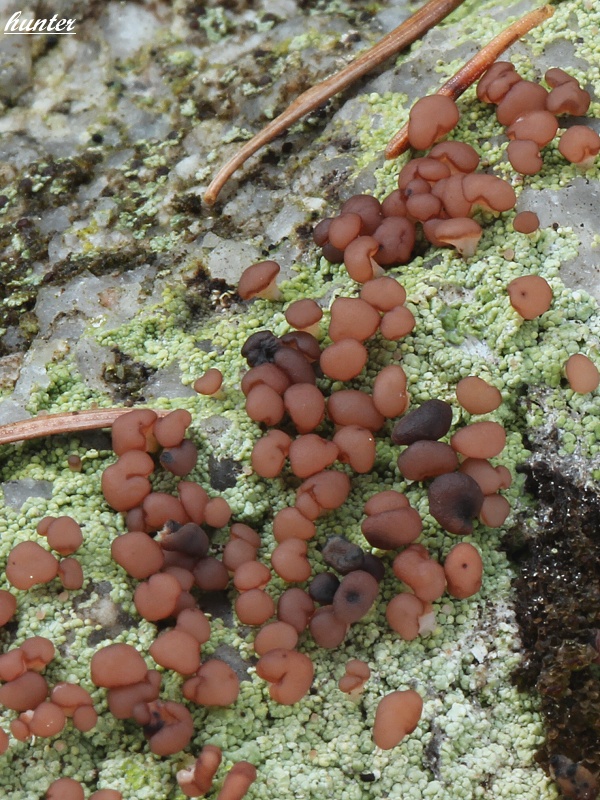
x=223 y=472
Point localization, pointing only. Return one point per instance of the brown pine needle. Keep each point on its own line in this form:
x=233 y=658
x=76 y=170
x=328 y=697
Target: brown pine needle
x=405 y=34
x=475 y=68
x=67 y=422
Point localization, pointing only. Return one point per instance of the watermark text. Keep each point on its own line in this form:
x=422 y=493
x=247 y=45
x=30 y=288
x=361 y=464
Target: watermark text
x=31 y=27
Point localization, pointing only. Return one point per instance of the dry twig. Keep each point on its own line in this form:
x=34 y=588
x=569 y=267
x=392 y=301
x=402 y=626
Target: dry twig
x=68 y=422
x=474 y=69
x=405 y=34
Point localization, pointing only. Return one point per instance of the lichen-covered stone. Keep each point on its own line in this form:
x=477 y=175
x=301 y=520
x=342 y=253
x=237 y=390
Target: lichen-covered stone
x=117 y=282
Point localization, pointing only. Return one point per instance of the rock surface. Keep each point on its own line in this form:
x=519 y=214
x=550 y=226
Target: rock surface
x=118 y=287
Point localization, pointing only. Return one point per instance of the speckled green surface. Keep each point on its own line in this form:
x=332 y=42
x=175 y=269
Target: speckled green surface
x=478 y=735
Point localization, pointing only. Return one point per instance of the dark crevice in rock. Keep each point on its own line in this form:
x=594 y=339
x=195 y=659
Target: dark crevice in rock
x=557 y=548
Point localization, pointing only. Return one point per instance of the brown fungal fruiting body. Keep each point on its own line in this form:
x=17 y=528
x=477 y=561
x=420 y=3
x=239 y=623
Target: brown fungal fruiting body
x=8 y=606
x=29 y=564
x=494 y=510
x=157 y=597
x=530 y=296
x=327 y=629
x=580 y=145
x=237 y=781
x=526 y=222
x=117 y=665
x=125 y=484
x=390 y=396
x=490 y=479
x=209 y=383
x=25 y=692
x=290 y=562
x=259 y=281
x=462 y=233
x=430 y=119
x=289 y=673
x=355 y=596
x=343 y=359
x=582 y=374
x=311 y=454
x=65 y=789
x=479 y=440
x=463 y=568
x=524 y=156
x=140 y=555
x=431 y=421
x=45 y=721
x=62 y=533
x=254 y=607
x=177 y=650
x=269 y=453
x=167 y=725
x=275 y=635
x=123 y=699
x=356 y=446
x=425 y=459
x=392 y=528
x=356 y=675
x=455 y=500
x=197 y=780
x=418 y=570
x=477 y=396
x=215 y=684
x=75 y=702
x=404 y=613
x=398 y=714
x=134 y=431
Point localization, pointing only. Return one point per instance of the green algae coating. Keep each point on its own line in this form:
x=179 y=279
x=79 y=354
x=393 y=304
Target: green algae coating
x=478 y=735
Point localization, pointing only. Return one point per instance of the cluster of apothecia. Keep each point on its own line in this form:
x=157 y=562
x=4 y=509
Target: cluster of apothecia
x=442 y=190
x=328 y=434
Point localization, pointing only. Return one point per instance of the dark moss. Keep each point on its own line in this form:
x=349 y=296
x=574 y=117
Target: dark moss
x=558 y=610
x=33 y=244
x=128 y=378
x=20 y=245
x=355 y=11
x=205 y=294
x=98 y=263
x=52 y=183
x=189 y=203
